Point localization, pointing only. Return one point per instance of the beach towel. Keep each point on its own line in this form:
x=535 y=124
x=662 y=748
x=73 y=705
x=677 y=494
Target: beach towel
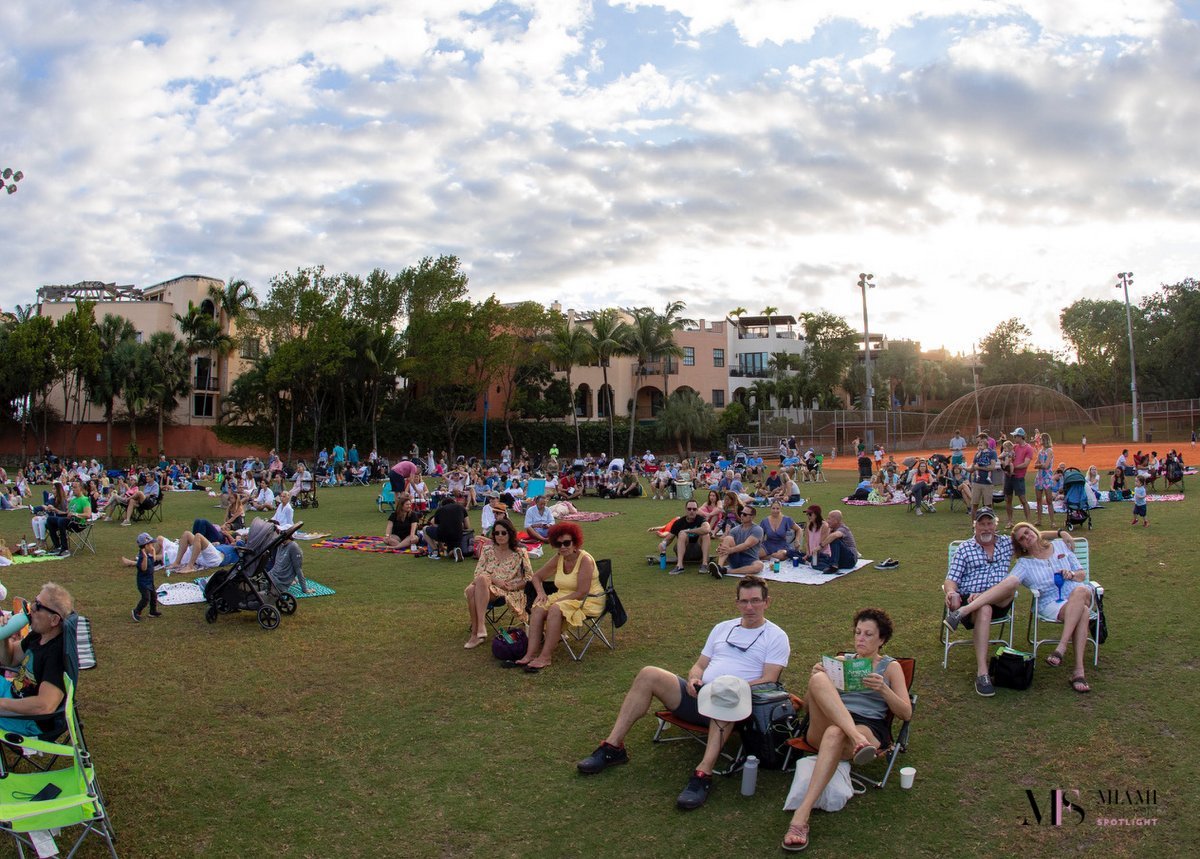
x=360 y=543
x=179 y=593
x=319 y=590
x=587 y=517
x=806 y=575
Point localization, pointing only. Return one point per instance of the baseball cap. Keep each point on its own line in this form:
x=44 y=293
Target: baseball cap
x=1019 y=431
x=144 y=538
x=984 y=511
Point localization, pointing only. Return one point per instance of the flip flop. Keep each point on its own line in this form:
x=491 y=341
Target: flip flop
x=531 y=669
x=864 y=753
x=1055 y=659
x=887 y=564
x=1080 y=685
x=796 y=830
x=510 y=663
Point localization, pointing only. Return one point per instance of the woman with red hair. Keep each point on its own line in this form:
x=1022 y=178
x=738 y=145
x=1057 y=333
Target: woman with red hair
x=579 y=594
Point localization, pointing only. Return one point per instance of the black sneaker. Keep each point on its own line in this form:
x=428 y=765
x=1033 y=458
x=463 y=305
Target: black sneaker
x=716 y=570
x=952 y=620
x=983 y=685
x=156 y=614
x=135 y=616
x=696 y=792
x=605 y=756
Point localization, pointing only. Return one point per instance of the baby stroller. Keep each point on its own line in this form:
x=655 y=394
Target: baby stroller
x=1075 y=496
x=1174 y=471
x=305 y=494
x=245 y=585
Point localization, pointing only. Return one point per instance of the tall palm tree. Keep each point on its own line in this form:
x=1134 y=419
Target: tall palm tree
x=106 y=386
x=646 y=340
x=202 y=332
x=568 y=347
x=769 y=312
x=233 y=302
x=170 y=376
x=608 y=334
x=671 y=321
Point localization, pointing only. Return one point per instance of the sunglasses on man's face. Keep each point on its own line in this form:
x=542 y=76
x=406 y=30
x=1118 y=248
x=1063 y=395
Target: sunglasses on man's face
x=38 y=606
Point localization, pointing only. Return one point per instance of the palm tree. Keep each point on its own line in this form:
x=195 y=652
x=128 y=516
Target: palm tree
x=762 y=390
x=202 y=333
x=170 y=376
x=232 y=302
x=768 y=312
x=566 y=348
x=686 y=417
x=646 y=340
x=105 y=387
x=671 y=322
x=737 y=313
x=608 y=334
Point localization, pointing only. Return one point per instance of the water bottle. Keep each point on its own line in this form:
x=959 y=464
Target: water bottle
x=662 y=560
x=775 y=566
x=749 y=776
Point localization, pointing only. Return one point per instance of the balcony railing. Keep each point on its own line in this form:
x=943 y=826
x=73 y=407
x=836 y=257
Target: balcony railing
x=206 y=383
x=753 y=374
x=657 y=369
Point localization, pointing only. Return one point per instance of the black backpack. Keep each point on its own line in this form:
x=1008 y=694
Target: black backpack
x=771 y=724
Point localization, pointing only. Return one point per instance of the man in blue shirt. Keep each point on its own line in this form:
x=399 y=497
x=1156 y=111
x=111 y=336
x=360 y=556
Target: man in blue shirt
x=982 y=466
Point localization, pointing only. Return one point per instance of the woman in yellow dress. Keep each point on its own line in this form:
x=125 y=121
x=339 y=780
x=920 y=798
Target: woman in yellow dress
x=502 y=571
x=579 y=594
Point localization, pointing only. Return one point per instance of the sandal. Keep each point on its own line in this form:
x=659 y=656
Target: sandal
x=796 y=830
x=1080 y=685
x=1055 y=659
x=864 y=753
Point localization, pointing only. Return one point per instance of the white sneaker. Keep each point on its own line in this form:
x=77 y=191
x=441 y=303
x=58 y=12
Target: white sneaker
x=920 y=512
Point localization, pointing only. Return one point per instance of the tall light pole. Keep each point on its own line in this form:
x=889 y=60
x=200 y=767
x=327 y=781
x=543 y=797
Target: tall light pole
x=1123 y=280
x=11 y=178
x=864 y=283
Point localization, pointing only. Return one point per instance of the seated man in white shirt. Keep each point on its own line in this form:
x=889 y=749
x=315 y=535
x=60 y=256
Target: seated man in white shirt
x=538 y=520
x=265 y=499
x=749 y=646
x=284 y=516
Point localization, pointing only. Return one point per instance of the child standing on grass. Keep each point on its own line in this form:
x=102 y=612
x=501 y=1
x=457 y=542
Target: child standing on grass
x=145 y=577
x=1139 y=502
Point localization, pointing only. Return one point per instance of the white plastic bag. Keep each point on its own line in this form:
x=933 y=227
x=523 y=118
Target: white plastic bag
x=835 y=795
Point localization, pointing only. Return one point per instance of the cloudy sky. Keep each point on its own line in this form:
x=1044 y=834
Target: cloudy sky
x=981 y=158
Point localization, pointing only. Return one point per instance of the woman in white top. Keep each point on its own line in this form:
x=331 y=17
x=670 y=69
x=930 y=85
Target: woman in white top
x=1038 y=560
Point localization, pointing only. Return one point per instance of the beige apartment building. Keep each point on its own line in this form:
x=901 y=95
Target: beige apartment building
x=702 y=368
x=153 y=309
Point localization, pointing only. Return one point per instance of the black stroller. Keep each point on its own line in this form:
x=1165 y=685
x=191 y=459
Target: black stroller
x=245 y=585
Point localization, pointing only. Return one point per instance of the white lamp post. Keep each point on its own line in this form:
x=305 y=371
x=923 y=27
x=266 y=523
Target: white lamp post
x=1123 y=280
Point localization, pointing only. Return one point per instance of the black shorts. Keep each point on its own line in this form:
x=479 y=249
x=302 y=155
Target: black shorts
x=687 y=709
x=878 y=727
x=998 y=611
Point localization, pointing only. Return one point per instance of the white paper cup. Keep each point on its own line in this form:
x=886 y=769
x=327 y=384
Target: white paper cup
x=907 y=775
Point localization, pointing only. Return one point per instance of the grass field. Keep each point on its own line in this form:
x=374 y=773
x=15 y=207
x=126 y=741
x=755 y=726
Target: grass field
x=362 y=728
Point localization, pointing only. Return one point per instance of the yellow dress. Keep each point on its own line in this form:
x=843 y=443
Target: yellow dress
x=574 y=611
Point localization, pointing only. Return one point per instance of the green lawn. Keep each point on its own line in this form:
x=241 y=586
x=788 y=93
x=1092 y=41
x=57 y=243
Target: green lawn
x=362 y=728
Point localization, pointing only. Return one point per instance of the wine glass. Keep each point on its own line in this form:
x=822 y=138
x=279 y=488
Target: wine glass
x=1058 y=581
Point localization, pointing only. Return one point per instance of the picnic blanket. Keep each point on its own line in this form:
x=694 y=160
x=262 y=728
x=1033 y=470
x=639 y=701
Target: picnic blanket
x=360 y=543
x=897 y=498
x=590 y=516
x=806 y=575
x=302 y=535
x=1173 y=496
x=179 y=593
x=319 y=590
x=34 y=559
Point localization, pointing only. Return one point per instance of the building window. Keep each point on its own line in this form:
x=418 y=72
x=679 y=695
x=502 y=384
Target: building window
x=202 y=405
x=753 y=363
x=138 y=337
x=718 y=357
x=250 y=348
x=718 y=398
x=689 y=356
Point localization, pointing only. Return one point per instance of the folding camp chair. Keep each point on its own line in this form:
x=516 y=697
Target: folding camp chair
x=1083 y=555
x=79 y=535
x=71 y=794
x=79 y=655
x=889 y=754
x=387 y=498
x=946 y=637
x=696 y=733
x=593 y=627
x=497 y=615
x=149 y=510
